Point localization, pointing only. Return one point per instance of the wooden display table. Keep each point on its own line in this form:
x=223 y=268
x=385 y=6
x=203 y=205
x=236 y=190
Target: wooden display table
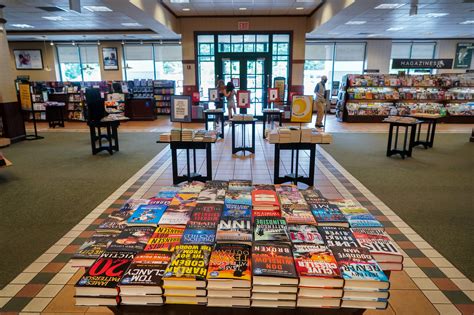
x=430 y=121
x=409 y=140
x=269 y=115
x=244 y=146
x=190 y=145
x=218 y=116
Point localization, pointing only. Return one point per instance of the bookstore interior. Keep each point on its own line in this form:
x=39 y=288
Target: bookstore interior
x=298 y=156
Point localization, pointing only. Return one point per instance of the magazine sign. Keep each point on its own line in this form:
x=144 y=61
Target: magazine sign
x=243 y=99
x=302 y=108
x=181 y=108
x=463 y=57
x=422 y=64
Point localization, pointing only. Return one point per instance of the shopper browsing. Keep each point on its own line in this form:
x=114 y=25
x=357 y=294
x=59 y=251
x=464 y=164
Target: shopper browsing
x=230 y=95
x=320 y=101
x=221 y=92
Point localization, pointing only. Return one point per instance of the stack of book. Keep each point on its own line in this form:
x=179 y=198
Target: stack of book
x=365 y=284
x=235 y=225
x=275 y=281
x=295 y=134
x=285 y=135
x=184 y=280
x=306 y=134
x=327 y=214
x=360 y=217
x=187 y=135
x=273 y=136
x=199 y=135
x=210 y=136
x=175 y=134
x=201 y=228
x=229 y=276
x=320 y=279
x=165 y=137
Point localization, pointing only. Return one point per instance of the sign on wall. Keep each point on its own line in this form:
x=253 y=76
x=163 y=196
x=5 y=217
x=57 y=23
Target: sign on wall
x=279 y=83
x=302 y=108
x=463 y=57
x=243 y=99
x=181 y=108
x=243 y=25
x=422 y=63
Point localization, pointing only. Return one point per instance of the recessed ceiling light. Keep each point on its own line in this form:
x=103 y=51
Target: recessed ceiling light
x=97 y=8
x=131 y=24
x=242 y=9
x=156 y=36
x=356 y=22
x=373 y=35
x=299 y=8
x=393 y=29
x=436 y=15
x=389 y=6
x=467 y=22
x=179 y=1
x=22 y=25
x=55 y=18
x=186 y=9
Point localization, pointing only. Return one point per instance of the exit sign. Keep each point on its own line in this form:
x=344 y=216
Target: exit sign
x=243 y=26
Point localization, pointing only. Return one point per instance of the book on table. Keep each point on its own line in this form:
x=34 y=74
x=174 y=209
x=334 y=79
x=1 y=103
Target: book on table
x=232 y=229
x=132 y=238
x=297 y=215
x=237 y=211
x=337 y=236
x=360 y=217
x=165 y=238
x=176 y=215
x=272 y=264
x=92 y=249
x=147 y=215
x=304 y=234
x=230 y=267
x=270 y=229
x=238 y=197
x=328 y=215
x=265 y=199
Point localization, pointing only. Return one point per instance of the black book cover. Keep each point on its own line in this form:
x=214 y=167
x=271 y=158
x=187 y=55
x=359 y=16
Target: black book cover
x=132 y=238
x=273 y=260
x=338 y=236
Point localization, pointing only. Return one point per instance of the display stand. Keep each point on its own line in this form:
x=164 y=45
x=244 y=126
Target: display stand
x=244 y=147
x=189 y=145
x=111 y=136
x=218 y=116
x=35 y=135
x=430 y=132
x=269 y=115
x=55 y=116
x=409 y=128
x=294 y=175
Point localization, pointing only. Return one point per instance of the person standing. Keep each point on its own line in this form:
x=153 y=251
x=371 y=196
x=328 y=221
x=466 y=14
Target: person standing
x=221 y=93
x=319 y=92
x=230 y=95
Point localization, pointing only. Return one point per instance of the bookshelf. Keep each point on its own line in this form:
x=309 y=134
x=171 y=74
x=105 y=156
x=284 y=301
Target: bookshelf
x=371 y=98
x=162 y=92
x=75 y=106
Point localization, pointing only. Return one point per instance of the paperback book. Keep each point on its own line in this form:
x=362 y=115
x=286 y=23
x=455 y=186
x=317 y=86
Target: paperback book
x=165 y=238
x=211 y=195
x=147 y=215
x=265 y=199
x=270 y=229
x=238 y=197
x=160 y=201
x=133 y=204
x=234 y=229
x=132 y=238
x=230 y=261
x=304 y=234
x=217 y=184
x=176 y=215
x=311 y=195
x=92 y=249
x=192 y=188
x=337 y=236
x=112 y=225
x=207 y=212
x=168 y=192
x=328 y=215
x=184 y=199
x=359 y=217
x=237 y=211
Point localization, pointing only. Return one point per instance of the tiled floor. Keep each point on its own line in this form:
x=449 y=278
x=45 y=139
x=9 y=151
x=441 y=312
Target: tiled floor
x=428 y=285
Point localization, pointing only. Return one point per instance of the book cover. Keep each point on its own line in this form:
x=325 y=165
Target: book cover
x=343 y=203
x=218 y=184
x=273 y=259
x=133 y=204
x=147 y=215
x=184 y=199
x=303 y=233
x=168 y=192
x=264 y=187
x=356 y=263
x=176 y=215
x=311 y=196
x=192 y=188
x=238 y=197
x=132 y=238
x=146 y=269
x=337 y=236
x=360 y=217
x=315 y=261
x=294 y=198
x=211 y=195
x=207 y=212
x=189 y=262
x=240 y=185
x=165 y=238
x=107 y=270
x=160 y=201
x=112 y=224
x=270 y=229
x=298 y=216
x=326 y=214
x=122 y=215
x=281 y=188
x=237 y=211
x=265 y=198
x=199 y=236
x=94 y=246
x=234 y=229
x=200 y=225
x=376 y=240
x=266 y=213
x=230 y=261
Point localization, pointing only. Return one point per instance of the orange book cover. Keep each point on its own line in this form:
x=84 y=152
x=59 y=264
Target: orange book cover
x=230 y=261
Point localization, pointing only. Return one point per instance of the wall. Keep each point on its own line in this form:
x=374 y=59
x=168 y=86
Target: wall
x=378 y=55
x=447 y=49
x=48 y=60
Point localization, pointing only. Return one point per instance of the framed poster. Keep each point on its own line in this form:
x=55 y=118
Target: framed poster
x=279 y=83
x=181 y=108
x=243 y=99
x=28 y=59
x=463 y=57
x=273 y=95
x=213 y=95
x=196 y=97
x=236 y=82
x=109 y=58
x=302 y=108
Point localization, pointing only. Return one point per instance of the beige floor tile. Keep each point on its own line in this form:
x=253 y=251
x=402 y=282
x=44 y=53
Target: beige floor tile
x=10 y=290
x=64 y=302
x=415 y=272
x=76 y=276
x=441 y=262
x=425 y=284
x=400 y=280
x=464 y=284
x=35 y=267
x=37 y=304
x=447 y=309
x=410 y=302
x=24 y=278
x=452 y=272
x=436 y=296
x=3 y=301
x=61 y=278
x=50 y=290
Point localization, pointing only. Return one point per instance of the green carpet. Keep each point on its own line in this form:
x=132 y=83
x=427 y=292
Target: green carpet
x=432 y=191
x=53 y=184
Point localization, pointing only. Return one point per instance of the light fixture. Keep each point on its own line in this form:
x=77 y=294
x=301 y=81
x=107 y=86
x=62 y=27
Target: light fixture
x=389 y=6
x=242 y=9
x=179 y=42
x=51 y=43
x=141 y=42
x=161 y=42
x=47 y=68
x=123 y=42
x=97 y=8
x=186 y=9
x=394 y=29
x=435 y=15
x=467 y=22
x=179 y=1
x=373 y=35
x=299 y=8
x=356 y=22
x=131 y=24
x=55 y=18
x=98 y=43
x=22 y=25
x=73 y=43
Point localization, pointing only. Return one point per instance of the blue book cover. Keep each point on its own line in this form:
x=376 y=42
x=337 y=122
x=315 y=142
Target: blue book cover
x=237 y=211
x=239 y=198
x=327 y=214
x=198 y=237
x=147 y=215
x=363 y=220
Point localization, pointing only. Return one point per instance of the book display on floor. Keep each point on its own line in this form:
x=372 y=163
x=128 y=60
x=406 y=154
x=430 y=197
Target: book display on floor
x=372 y=97
x=202 y=244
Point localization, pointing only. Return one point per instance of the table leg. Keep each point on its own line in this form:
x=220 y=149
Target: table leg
x=412 y=139
x=222 y=125
x=279 y=118
x=93 y=136
x=296 y=166
x=276 y=164
x=433 y=131
x=419 y=131
x=174 y=164
x=253 y=137
x=405 y=141
x=264 y=123
x=233 y=137
x=396 y=138
x=292 y=158
x=389 y=144
x=206 y=120
x=209 y=161
x=312 y=163
x=428 y=135
x=188 y=165
x=116 y=138
x=194 y=160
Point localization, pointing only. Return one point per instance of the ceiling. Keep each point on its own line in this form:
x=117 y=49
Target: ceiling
x=241 y=7
x=422 y=25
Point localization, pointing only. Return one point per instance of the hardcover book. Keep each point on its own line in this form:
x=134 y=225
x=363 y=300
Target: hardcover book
x=132 y=238
x=264 y=187
x=237 y=211
x=192 y=188
x=377 y=241
x=240 y=185
x=168 y=192
x=133 y=204
x=230 y=261
x=282 y=188
x=265 y=199
x=122 y=215
x=146 y=269
x=234 y=229
x=238 y=197
x=303 y=233
x=176 y=215
x=273 y=260
x=165 y=238
x=265 y=213
x=211 y=195
x=294 y=198
x=112 y=225
x=270 y=229
x=327 y=214
x=207 y=212
x=94 y=246
x=218 y=184
x=189 y=262
x=200 y=225
x=199 y=236
x=342 y=203
x=184 y=199
x=337 y=236
x=102 y=277
x=311 y=196
x=298 y=216
x=147 y=215
x=360 y=217
x=160 y=201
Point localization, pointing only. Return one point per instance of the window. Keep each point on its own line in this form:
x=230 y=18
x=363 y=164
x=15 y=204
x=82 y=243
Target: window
x=280 y=58
x=169 y=65
x=139 y=62
x=412 y=50
x=348 y=58
x=248 y=43
x=206 y=62
x=79 y=63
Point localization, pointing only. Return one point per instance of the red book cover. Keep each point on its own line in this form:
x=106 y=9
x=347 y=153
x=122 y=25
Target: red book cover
x=263 y=198
x=315 y=261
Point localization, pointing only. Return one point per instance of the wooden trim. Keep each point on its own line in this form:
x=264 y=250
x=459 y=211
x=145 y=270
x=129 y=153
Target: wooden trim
x=187 y=62
x=298 y=61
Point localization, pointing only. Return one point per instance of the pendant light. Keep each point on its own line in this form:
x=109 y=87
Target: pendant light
x=47 y=68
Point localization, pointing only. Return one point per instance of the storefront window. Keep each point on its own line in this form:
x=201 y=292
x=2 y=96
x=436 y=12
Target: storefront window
x=206 y=61
x=139 y=62
x=412 y=50
x=79 y=63
x=169 y=65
